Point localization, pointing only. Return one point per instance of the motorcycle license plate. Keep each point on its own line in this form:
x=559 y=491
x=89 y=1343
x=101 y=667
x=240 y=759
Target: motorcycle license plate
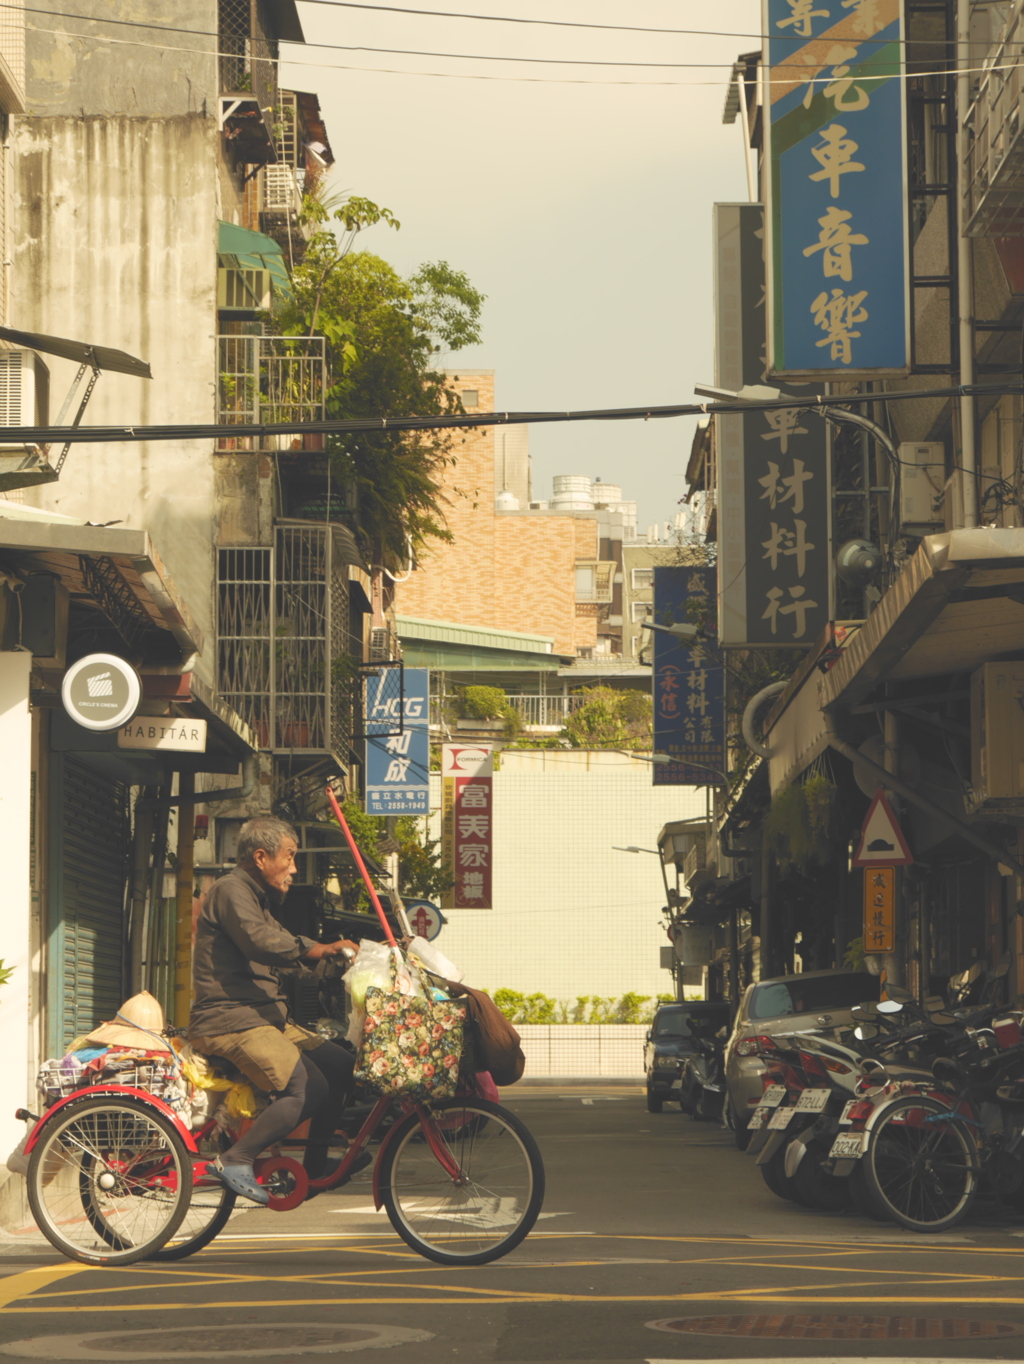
x=772 y=1097
x=756 y=1120
x=780 y=1118
x=813 y=1100
x=848 y=1146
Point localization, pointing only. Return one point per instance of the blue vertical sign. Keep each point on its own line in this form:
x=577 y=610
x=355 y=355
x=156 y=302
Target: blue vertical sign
x=398 y=766
x=688 y=681
x=838 y=296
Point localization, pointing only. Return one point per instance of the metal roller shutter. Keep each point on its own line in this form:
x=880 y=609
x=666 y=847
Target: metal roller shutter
x=87 y=946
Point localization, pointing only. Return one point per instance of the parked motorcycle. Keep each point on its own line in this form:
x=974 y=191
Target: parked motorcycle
x=702 y=1084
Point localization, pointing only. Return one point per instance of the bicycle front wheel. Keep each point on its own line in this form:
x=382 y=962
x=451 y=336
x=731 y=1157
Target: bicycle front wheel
x=109 y=1181
x=484 y=1209
x=921 y=1164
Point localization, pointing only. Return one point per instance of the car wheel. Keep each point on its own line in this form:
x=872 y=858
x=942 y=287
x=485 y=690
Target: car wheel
x=654 y=1102
x=740 y=1131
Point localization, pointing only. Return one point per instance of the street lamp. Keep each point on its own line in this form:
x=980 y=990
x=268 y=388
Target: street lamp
x=682 y=629
x=653 y=851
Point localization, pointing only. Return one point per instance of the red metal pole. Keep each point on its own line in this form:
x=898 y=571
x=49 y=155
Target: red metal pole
x=362 y=866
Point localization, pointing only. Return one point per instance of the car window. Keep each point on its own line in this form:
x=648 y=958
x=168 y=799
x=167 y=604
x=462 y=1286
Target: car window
x=777 y=999
x=671 y=1023
x=700 y=1021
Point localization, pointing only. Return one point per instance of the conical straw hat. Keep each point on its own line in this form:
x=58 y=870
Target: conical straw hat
x=142 y=1011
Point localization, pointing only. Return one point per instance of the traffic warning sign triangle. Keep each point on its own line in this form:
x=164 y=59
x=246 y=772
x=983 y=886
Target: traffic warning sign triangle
x=881 y=839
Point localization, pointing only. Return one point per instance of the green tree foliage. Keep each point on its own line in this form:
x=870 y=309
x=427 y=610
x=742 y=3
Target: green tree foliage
x=5 y=972
x=630 y=1008
x=421 y=875
x=611 y=718
x=383 y=333
x=801 y=825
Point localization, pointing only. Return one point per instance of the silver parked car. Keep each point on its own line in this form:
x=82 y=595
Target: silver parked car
x=816 y=1001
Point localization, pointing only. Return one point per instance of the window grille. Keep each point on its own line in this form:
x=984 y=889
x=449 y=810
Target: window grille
x=594 y=580
x=283 y=640
x=269 y=379
x=249 y=52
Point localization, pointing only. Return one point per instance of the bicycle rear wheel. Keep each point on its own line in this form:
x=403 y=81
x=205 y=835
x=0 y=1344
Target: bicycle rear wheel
x=109 y=1181
x=209 y=1209
x=484 y=1213
x=921 y=1164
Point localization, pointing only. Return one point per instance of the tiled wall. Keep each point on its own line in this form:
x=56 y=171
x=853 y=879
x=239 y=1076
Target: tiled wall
x=571 y=915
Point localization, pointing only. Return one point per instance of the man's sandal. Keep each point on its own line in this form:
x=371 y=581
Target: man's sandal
x=240 y=1180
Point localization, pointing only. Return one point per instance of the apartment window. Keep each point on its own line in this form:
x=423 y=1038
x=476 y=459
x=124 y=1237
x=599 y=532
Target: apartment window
x=594 y=580
x=470 y=397
x=640 y=610
x=643 y=579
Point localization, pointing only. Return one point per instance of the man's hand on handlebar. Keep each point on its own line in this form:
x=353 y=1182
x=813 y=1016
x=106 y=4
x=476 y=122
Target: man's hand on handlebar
x=343 y=947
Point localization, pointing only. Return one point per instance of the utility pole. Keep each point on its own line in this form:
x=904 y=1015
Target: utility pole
x=965 y=268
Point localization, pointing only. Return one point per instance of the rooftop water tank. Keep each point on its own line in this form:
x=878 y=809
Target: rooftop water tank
x=506 y=501
x=572 y=492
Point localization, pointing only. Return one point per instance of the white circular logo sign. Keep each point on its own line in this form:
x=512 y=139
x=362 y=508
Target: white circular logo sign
x=425 y=919
x=101 y=691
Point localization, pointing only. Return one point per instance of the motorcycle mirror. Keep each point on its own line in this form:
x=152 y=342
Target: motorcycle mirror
x=864 y=1032
x=866 y=1010
x=889 y=1006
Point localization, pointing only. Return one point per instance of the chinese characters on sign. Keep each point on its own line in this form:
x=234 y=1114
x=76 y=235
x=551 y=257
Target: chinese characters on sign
x=774 y=487
x=689 y=683
x=879 y=915
x=398 y=765
x=837 y=228
x=467 y=796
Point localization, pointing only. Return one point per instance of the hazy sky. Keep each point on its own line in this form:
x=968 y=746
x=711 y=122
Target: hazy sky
x=582 y=211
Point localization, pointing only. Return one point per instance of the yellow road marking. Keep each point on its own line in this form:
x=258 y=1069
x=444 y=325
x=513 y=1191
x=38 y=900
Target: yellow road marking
x=16 y=1286
x=526 y=1299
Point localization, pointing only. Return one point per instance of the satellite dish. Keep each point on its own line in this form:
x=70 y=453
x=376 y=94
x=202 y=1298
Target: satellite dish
x=857 y=562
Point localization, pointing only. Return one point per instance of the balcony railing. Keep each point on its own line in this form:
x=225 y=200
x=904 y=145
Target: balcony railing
x=267 y=379
x=538 y=712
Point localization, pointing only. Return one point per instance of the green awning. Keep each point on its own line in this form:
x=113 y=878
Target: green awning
x=241 y=249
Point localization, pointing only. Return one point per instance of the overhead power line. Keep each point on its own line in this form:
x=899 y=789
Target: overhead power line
x=532 y=80
x=104 y=435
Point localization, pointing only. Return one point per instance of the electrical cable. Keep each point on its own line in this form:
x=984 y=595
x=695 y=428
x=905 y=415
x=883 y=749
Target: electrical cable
x=80 y=435
x=535 y=80
x=442 y=14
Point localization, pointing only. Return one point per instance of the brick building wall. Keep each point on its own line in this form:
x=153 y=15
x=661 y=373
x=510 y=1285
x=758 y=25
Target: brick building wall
x=508 y=572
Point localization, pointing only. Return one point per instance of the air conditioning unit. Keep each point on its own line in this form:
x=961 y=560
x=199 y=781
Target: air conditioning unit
x=240 y=290
x=380 y=643
x=997 y=736
x=24 y=394
x=922 y=483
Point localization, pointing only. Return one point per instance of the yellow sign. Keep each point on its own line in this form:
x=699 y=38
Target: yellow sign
x=879 y=909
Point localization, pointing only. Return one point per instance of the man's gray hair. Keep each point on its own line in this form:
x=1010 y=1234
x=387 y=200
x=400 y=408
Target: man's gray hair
x=266 y=832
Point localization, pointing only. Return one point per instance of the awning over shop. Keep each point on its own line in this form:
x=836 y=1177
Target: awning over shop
x=958 y=603
x=241 y=249
x=105 y=561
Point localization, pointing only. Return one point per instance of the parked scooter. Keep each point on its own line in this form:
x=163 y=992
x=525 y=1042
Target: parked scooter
x=702 y=1085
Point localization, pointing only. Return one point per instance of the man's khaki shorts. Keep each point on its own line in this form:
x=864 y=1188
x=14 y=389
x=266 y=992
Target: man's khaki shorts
x=264 y=1055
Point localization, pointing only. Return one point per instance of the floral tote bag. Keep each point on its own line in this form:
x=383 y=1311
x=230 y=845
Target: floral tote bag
x=411 y=1046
